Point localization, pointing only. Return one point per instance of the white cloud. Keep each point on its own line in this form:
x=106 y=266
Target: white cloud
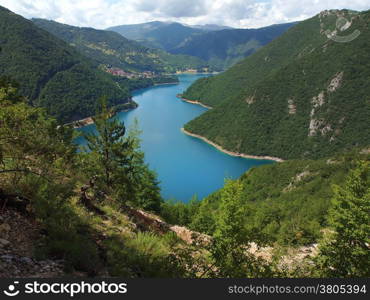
x=237 y=13
x=175 y=9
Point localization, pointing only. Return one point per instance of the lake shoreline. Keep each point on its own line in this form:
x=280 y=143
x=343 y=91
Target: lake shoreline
x=89 y=120
x=194 y=73
x=194 y=102
x=82 y=123
x=202 y=167
x=231 y=153
x=165 y=83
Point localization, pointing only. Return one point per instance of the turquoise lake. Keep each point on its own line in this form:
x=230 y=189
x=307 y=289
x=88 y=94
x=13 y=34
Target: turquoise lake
x=185 y=165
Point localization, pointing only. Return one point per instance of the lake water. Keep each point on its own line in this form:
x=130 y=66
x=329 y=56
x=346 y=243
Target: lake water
x=185 y=165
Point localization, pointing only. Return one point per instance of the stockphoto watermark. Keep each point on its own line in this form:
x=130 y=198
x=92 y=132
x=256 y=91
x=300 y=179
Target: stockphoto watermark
x=342 y=24
x=62 y=288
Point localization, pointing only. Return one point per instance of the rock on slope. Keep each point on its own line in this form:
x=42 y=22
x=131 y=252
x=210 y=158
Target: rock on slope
x=304 y=95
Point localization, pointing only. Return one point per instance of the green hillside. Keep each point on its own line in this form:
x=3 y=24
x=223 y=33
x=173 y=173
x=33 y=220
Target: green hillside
x=284 y=202
x=224 y=48
x=95 y=213
x=51 y=73
x=220 y=46
x=162 y=35
x=112 y=49
x=303 y=95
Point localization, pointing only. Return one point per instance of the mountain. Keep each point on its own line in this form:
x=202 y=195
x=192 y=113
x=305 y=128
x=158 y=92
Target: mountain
x=162 y=35
x=66 y=212
x=51 y=73
x=210 y=27
x=304 y=95
x=224 y=48
x=220 y=46
x=109 y=48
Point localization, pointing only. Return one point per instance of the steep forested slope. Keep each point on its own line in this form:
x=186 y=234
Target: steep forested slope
x=285 y=202
x=223 y=48
x=303 y=95
x=66 y=212
x=51 y=73
x=220 y=47
x=111 y=48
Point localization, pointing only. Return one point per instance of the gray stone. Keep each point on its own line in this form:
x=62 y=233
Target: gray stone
x=26 y=260
x=4 y=229
x=7 y=257
x=4 y=243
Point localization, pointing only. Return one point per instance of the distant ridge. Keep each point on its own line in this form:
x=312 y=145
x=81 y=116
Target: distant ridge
x=112 y=49
x=162 y=35
x=210 y=27
x=220 y=46
x=224 y=48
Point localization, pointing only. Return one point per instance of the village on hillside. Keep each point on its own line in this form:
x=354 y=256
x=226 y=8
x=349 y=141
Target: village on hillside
x=119 y=72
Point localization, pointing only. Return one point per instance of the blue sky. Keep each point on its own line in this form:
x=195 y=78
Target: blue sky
x=236 y=13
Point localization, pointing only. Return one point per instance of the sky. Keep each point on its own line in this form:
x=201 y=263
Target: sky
x=235 y=13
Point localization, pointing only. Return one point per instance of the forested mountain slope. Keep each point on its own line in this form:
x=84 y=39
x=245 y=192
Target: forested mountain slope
x=162 y=35
x=284 y=202
x=304 y=95
x=51 y=73
x=224 y=48
x=220 y=46
x=112 y=49
x=87 y=213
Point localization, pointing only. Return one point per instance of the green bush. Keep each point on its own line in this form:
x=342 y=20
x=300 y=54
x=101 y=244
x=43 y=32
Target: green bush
x=144 y=255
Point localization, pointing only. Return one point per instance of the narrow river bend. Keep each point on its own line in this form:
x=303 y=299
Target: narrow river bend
x=185 y=165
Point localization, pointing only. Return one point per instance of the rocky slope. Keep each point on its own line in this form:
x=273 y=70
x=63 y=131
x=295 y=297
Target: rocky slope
x=305 y=95
x=19 y=234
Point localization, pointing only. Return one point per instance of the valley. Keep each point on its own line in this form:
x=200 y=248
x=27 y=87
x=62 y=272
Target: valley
x=221 y=47
x=180 y=161
x=156 y=149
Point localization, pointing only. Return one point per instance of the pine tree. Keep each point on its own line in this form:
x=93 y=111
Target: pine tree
x=347 y=252
x=118 y=164
x=30 y=140
x=230 y=245
x=113 y=152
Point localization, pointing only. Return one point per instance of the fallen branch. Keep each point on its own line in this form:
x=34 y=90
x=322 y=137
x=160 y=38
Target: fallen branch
x=87 y=202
